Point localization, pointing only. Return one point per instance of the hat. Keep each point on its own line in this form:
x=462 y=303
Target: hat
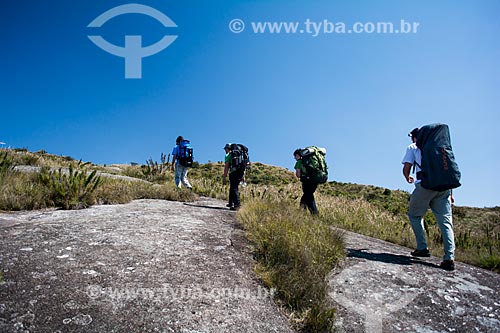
x=413 y=133
x=227 y=146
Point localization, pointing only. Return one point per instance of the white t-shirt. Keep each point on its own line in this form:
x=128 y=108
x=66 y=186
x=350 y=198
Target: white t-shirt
x=413 y=154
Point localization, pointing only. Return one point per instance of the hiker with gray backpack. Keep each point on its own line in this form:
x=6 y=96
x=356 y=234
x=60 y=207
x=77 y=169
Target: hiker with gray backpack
x=310 y=167
x=182 y=159
x=437 y=173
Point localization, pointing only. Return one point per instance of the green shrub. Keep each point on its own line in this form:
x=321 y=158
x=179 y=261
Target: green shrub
x=5 y=165
x=491 y=262
x=71 y=189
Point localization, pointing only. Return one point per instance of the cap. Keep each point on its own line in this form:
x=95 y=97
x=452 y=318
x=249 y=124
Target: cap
x=227 y=146
x=413 y=133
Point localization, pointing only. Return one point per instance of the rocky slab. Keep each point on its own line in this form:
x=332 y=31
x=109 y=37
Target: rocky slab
x=146 y=266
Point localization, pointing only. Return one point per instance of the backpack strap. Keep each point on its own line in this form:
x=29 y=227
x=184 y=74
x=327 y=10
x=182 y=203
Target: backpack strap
x=415 y=165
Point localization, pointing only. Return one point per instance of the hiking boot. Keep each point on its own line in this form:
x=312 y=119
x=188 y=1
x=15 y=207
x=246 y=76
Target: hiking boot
x=421 y=253
x=448 y=265
x=229 y=205
x=235 y=208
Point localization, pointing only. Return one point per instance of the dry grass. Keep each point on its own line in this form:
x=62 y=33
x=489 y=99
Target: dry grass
x=20 y=191
x=295 y=253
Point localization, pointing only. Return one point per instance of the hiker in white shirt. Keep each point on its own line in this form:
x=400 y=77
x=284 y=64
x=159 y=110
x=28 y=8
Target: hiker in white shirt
x=420 y=200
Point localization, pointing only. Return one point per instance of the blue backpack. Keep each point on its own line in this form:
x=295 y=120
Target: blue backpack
x=439 y=170
x=185 y=156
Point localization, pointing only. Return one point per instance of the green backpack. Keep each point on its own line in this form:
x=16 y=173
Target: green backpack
x=313 y=160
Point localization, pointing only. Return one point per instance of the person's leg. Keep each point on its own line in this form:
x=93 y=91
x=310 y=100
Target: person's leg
x=311 y=200
x=184 y=179
x=419 y=202
x=308 y=197
x=303 y=199
x=178 y=175
x=313 y=208
x=441 y=207
x=234 y=182
x=240 y=175
x=231 y=191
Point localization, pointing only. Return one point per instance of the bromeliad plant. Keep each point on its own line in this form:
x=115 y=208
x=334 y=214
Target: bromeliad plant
x=153 y=170
x=5 y=165
x=71 y=188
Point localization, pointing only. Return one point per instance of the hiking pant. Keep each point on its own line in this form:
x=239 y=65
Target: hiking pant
x=234 y=181
x=307 y=200
x=181 y=176
x=439 y=202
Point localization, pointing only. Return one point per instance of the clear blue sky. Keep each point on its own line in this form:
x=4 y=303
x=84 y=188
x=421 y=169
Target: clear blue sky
x=358 y=95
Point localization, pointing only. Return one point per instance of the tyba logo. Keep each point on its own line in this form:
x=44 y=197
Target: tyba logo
x=133 y=52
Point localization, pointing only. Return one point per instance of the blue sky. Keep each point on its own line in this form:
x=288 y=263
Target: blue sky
x=358 y=95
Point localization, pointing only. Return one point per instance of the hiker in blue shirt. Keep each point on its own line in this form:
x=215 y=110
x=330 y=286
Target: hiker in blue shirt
x=180 y=170
x=420 y=200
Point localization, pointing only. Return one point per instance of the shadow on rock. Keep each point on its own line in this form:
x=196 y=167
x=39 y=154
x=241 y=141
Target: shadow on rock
x=206 y=206
x=388 y=258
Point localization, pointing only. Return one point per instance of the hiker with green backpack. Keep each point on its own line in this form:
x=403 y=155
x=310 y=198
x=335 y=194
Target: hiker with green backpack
x=431 y=156
x=310 y=167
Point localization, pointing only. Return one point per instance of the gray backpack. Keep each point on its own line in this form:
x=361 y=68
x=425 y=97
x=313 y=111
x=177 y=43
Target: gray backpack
x=439 y=170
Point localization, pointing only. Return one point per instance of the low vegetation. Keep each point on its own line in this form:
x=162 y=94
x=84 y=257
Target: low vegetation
x=72 y=184
x=295 y=252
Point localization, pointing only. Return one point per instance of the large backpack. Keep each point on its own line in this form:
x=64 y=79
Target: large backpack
x=313 y=160
x=240 y=159
x=185 y=153
x=439 y=170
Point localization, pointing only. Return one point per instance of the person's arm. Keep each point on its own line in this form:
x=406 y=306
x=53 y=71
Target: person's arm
x=297 y=173
x=452 y=199
x=226 y=170
x=406 y=173
x=174 y=156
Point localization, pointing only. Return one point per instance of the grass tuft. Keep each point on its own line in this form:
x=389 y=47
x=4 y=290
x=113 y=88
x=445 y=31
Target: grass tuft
x=295 y=253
